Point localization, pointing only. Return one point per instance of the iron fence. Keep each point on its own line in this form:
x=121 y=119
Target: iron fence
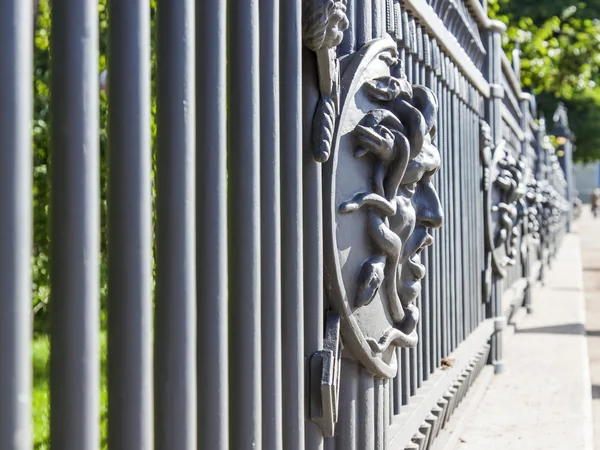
x=308 y=155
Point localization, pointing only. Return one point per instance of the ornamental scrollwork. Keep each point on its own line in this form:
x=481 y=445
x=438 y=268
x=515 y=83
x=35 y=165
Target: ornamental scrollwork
x=511 y=188
x=379 y=205
x=323 y=26
x=505 y=205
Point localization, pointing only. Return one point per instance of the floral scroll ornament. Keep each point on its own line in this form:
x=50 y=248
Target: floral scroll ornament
x=380 y=205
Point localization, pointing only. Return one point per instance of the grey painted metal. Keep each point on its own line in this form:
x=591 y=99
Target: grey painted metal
x=15 y=223
x=314 y=301
x=365 y=21
x=243 y=175
x=75 y=228
x=291 y=227
x=366 y=418
x=348 y=426
x=175 y=303
x=130 y=383
x=249 y=222
x=561 y=130
x=348 y=44
x=270 y=227
x=211 y=226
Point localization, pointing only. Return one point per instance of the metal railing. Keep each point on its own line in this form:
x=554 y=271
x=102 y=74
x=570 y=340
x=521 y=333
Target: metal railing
x=302 y=174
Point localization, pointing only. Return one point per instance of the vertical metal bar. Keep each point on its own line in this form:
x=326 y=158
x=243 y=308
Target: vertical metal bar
x=467 y=230
x=455 y=244
x=398 y=19
x=389 y=414
x=364 y=23
x=366 y=403
x=493 y=73
x=409 y=356
x=397 y=383
x=475 y=243
x=348 y=44
x=380 y=418
x=423 y=298
x=434 y=251
x=463 y=223
x=482 y=313
x=443 y=179
x=270 y=225
x=462 y=161
x=212 y=224
x=405 y=378
x=376 y=11
x=313 y=234
x=480 y=223
x=382 y=18
x=471 y=232
x=425 y=341
x=16 y=51
x=439 y=243
x=477 y=212
x=347 y=426
x=129 y=228
x=75 y=227
x=447 y=293
x=175 y=325
x=243 y=134
x=452 y=203
x=329 y=443
x=291 y=226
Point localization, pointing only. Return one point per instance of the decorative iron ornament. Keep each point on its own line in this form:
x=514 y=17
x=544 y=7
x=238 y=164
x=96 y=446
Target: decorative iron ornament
x=323 y=26
x=504 y=206
x=379 y=204
x=325 y=366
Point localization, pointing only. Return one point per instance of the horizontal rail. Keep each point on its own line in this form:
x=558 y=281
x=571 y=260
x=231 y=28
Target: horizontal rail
x=402 y=429
x=511 y=121
x=447 y=41
x=508 y=71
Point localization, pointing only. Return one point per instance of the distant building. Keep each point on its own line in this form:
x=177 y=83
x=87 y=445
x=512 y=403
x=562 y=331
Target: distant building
x=587 y=177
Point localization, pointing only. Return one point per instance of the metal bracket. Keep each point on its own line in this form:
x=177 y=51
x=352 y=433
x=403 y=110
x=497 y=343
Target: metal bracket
x=324 y=378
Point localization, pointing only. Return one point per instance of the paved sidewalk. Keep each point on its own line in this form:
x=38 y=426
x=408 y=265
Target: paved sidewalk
x=542 y=400
x=589 y=232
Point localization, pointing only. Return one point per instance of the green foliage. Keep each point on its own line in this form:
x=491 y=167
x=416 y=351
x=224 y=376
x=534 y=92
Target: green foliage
x=559 y=43
x=539 y=12
x=41 y=161
x=41 y=393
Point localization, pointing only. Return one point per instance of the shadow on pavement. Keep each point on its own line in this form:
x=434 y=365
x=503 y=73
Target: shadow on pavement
x=567 y=328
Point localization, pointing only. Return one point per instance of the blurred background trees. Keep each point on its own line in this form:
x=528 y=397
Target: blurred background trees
x=559 y=44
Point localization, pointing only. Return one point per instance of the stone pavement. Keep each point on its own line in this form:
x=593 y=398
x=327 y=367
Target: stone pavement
x=589 y=232
x=542 y=400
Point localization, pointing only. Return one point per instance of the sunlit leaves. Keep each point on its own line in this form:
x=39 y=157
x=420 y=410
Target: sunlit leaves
x=559 y=44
